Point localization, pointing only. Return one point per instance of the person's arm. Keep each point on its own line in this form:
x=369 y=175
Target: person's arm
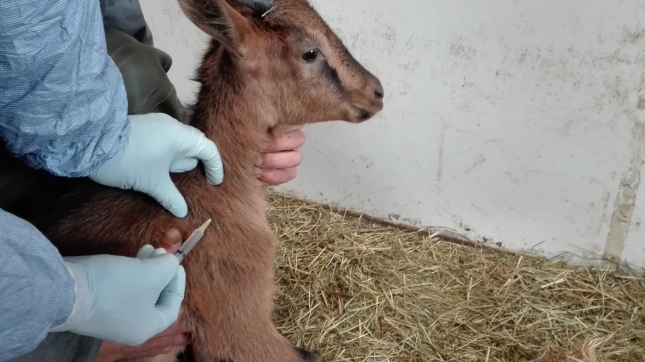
x=37 y=292
x=165 y=342
x=43 y=293
x=63 y=104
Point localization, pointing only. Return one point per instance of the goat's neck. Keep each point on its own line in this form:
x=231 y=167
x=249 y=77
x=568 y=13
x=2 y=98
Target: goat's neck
x=229 y=112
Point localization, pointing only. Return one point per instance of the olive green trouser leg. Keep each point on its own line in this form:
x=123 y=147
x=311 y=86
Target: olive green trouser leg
x=144 y=71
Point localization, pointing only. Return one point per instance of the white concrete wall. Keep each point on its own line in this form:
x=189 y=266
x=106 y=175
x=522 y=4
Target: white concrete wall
x=520 y=122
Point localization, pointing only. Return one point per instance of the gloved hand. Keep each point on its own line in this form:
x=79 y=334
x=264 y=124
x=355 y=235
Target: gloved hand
x=125 y=300
x=157 y=145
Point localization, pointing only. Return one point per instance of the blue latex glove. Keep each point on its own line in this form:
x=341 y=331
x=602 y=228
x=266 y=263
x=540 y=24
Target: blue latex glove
x=157 y=145
x=125 y=300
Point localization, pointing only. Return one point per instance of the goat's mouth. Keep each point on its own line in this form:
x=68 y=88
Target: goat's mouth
x=359 y=114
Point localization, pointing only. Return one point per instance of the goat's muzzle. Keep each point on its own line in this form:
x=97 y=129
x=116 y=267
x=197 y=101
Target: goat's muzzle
x=368 y=101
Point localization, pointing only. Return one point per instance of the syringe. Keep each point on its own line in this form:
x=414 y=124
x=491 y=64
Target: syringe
x=191 y=241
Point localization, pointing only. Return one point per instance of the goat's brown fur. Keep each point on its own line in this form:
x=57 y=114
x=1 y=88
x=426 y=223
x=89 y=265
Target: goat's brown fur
x=253 y=81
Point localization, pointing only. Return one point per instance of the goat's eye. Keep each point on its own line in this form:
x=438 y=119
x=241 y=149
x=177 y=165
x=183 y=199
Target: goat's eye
x=311 y=55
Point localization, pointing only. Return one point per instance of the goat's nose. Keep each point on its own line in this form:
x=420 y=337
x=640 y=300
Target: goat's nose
x=378 y=91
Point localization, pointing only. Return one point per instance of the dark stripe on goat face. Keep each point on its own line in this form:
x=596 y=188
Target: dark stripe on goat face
x=331 y=74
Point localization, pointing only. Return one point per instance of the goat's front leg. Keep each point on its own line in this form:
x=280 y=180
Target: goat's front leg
x=248 y=341
x=230 y=319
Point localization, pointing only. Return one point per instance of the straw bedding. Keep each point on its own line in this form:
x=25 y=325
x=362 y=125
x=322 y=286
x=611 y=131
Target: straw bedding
x=352 y=290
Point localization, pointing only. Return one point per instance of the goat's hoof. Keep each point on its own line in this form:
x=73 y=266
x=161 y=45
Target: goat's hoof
x=307 y=356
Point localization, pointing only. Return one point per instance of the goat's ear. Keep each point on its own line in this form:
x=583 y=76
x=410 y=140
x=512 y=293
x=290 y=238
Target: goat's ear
x=221 y=20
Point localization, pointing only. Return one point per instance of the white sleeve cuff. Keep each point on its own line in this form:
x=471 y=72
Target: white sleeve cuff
x=83 y=304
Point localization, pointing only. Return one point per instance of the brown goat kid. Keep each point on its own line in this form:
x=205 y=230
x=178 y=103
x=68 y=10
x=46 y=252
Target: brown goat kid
x=260 y=73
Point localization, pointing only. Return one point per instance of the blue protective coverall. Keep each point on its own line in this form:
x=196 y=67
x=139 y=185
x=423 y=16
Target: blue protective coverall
x=58 y=87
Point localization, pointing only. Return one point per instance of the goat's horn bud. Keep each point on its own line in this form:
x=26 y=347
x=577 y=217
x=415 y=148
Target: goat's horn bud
x=259 y=6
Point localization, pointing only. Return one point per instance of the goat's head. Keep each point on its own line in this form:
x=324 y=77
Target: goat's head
x=291 y=60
